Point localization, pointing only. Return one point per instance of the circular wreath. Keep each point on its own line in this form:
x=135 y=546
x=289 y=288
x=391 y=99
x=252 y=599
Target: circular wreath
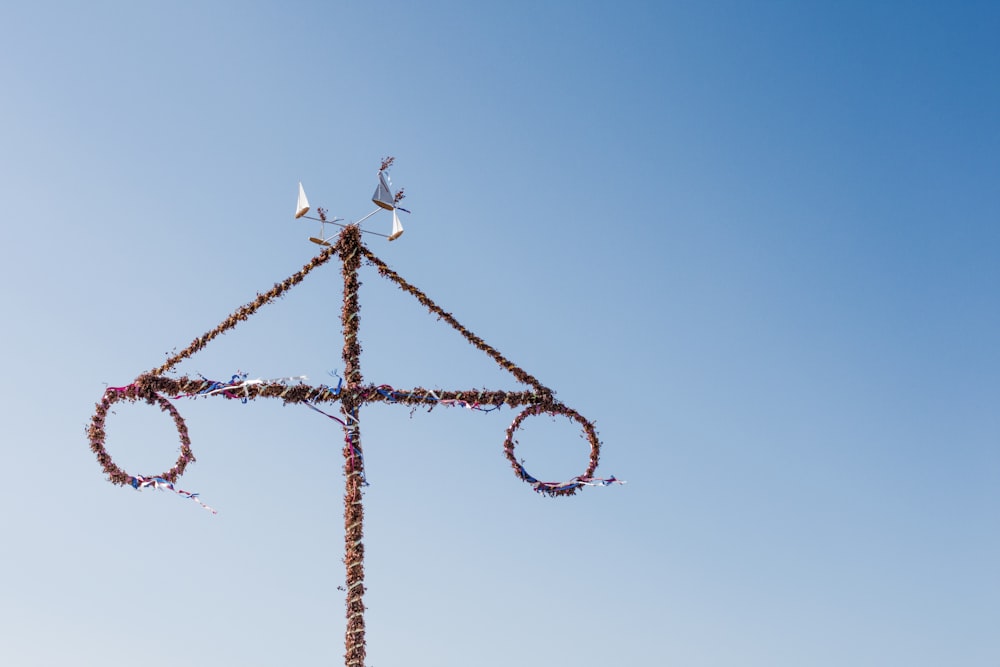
x=97 y=435
x=553 y=488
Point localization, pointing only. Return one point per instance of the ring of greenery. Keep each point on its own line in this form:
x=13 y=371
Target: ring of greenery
x=97 y=434
x=589 y=434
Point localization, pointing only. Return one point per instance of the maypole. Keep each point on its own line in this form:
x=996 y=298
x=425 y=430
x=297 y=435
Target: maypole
x=156 y=388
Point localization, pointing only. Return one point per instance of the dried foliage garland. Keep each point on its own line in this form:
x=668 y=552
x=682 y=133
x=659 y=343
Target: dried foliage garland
x=97 y=435
x=188 y=387
x=554 y=488
x=153 y=386
x=434 y=309
x=348 y=246
x=244 y=312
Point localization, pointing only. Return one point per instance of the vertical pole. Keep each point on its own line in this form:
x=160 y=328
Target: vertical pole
x=354 y=551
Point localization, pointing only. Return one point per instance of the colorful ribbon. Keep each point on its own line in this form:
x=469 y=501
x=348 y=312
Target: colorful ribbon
x=553 y=489
x=140 y=482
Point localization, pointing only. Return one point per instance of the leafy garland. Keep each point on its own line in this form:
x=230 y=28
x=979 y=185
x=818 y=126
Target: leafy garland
x=152 y=387
x=133 y=393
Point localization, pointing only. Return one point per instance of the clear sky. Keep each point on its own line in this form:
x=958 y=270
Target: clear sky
x=756 y=242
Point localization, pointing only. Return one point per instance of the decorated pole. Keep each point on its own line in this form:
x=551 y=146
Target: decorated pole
x=155 y=388
x=348 y=246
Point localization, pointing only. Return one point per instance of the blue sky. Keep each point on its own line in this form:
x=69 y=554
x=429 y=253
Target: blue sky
x=755 y=242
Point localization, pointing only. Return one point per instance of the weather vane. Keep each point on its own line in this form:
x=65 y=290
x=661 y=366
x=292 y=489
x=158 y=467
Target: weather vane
x=383 y=199
x=351 y=392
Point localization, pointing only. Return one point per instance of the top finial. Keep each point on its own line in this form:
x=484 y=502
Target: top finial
x=383 y=198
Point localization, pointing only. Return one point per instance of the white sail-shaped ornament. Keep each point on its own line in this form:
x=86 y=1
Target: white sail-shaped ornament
x=397 y=227
x=302 y=206
x=382 y=197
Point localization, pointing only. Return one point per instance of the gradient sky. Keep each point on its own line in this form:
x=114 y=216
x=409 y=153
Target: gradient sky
x=757 y=243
